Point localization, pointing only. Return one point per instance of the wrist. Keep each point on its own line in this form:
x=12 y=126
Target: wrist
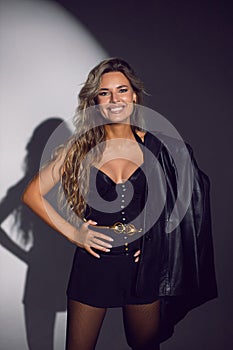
x=73 y=237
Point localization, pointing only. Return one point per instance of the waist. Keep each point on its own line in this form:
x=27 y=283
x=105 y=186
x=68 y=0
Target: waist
x=121 y=228
x=123 y=235
x=126 y=238
x=124 y=249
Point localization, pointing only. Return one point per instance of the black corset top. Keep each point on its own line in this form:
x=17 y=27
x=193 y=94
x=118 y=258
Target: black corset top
x=109 y=202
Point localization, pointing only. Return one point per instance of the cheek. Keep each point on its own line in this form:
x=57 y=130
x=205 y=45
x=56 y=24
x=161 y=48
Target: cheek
x=128 y=97
x=99 y=100
x=102 y=109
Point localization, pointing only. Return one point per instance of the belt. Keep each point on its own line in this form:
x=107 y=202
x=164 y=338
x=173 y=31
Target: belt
x=119 y=227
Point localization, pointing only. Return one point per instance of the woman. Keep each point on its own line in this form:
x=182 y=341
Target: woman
x=120 y=260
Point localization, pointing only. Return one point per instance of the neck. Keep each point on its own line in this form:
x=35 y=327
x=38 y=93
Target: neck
x=114 y=131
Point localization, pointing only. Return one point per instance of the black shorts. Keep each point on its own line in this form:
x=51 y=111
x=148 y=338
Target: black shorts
x=108 y=281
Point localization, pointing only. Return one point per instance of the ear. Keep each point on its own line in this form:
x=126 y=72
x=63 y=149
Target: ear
x=134 y=97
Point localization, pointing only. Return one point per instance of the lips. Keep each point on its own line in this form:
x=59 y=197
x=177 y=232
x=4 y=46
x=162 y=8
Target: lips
x=116 y=109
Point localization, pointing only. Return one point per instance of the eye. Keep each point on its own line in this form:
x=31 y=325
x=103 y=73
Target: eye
x=103 y=93
x=123 y=90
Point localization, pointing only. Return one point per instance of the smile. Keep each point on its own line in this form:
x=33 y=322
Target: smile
x=116 y=110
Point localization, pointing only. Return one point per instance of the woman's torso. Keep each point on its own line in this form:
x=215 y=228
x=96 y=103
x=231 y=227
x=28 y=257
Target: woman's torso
x=109 y=203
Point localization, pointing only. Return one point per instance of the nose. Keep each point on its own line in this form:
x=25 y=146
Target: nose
x=114 y=97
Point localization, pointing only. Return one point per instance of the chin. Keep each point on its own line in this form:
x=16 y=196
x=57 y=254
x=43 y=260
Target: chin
x=119 y=120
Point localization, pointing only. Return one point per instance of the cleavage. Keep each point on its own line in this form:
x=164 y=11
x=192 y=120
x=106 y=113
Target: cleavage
x=119 y=170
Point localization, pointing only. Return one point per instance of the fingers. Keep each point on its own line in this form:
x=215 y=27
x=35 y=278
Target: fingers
x=101 y=243
x=103 y=236
x=90 y=222
x=95 y=241
x=89 y=250
x=93 y=245
x=98 y=234
x=97 y=246
x=137 y=255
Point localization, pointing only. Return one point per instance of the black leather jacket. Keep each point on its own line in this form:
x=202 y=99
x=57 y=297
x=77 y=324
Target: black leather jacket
x=178 y=265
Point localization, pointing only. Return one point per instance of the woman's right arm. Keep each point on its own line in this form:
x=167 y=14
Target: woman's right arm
x=33 y=197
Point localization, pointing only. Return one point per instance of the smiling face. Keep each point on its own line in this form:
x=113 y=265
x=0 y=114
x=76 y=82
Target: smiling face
x=116 y=97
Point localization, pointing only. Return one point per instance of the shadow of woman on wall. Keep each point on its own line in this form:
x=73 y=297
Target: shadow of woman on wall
x=50 y=256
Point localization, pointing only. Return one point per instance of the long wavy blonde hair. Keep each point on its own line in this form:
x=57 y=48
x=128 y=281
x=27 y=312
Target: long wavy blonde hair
x=86 y=147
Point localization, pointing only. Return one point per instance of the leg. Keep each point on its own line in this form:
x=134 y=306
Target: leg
x=141 y=324
x=83 y=325
x=39 y=328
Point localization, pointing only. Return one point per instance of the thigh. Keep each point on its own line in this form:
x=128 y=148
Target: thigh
x=83 y=325
x=141 y=323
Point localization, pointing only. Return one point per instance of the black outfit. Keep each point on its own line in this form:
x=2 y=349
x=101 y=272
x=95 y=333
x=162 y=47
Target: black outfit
x=110 y=280
x=176 y=266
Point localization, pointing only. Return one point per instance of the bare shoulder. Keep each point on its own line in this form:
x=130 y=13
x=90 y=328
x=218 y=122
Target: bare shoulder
x=141 y=134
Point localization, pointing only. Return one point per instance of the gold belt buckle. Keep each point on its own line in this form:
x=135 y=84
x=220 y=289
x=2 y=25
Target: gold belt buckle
x=119 y=227
x=129 y=229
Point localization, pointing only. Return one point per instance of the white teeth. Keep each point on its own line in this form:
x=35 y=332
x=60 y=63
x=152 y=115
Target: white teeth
x=116 y=109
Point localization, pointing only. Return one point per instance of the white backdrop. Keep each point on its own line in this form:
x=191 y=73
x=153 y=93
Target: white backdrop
x=45 y=56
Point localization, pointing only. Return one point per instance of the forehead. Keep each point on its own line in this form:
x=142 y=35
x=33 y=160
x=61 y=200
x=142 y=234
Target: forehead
x=113 y=79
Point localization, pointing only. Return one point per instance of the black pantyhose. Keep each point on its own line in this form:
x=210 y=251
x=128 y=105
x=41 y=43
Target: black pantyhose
x=83 y=325
x=141 y=324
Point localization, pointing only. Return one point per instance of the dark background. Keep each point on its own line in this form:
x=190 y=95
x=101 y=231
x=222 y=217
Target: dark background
x=182 y=50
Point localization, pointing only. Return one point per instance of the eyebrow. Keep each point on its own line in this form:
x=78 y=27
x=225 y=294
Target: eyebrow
x=118 y=87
